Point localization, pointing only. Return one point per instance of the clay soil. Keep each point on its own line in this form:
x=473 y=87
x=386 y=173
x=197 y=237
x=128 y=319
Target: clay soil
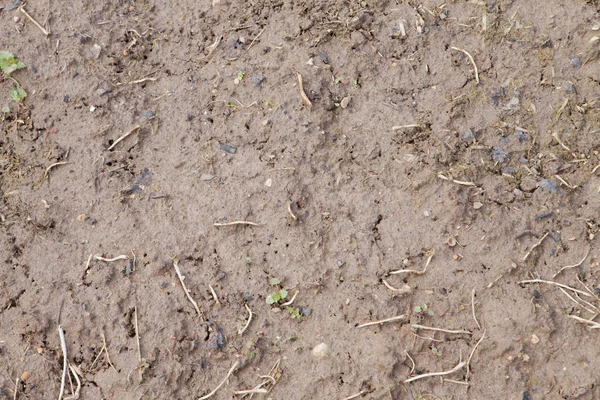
x=406 y=154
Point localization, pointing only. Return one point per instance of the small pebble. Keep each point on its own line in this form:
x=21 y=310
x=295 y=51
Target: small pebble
x=257 y=80
x=206 y=177
x=320 y=351
x=16 y=19
x=228 y=148
x=100 y=92
x=96 y=49
x=575 y=62
x=477 y=205
x=92 y=108
x=345 y=101
x=269 y=182
x=66 y=98
x=535 y=339
x=307 y=312
x=426 y=213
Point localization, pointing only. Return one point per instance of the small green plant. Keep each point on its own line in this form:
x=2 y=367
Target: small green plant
x=240 y=75
x=423 y=309
x=278 y=295
x=268 y=103
x=8 y=65
x=294 y=312
x=435 y=351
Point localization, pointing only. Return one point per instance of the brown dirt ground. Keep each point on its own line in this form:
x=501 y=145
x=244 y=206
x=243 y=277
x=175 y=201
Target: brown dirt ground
x=366 y=199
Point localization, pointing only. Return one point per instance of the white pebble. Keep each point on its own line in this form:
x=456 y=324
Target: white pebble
x=320 y=351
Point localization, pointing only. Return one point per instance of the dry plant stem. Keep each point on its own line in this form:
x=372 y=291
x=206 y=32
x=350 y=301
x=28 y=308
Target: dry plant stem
x=214 y=295
x=106 y=352
x=290 y=212
x=16 y=389
x=458 y=367
x=412 y=271
x=289 y=303
x=47 y=171
x=255 y=39
x=251 y=391
x=129 y=132
x=222 y=382
x=63 y=346
x=354 y=396
x=383 y=321
x=557 y=284
x=473 y=308
x=117 y=258
x=400 y=127
x=535 y=246
x=137 y=335
x=555 y=136
x=241 y=331
x=574 y=265
x=33 y=20
x=75 y=395
x=403 y=290
x=464 y=183
x=429 y=328
x=454 y=381
x=305 y=98
x=473 y=352
x=236 y=223
x=576 y=302
x=185 y=289
x=142 y=80
x=412 y=369
x=466 y=53
x=593 y=324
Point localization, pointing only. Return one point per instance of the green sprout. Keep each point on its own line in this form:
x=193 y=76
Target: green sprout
x=423 y=309
x=8 y=65
x=294 y=312
x=240 y=75
x=275 y=297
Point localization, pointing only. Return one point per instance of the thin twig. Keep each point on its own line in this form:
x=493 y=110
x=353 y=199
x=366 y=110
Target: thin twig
x=454 y=381
x=593 y=324
x=463 y=183
x=222 y=382
x=214 y=295
x=412 y=271
x=412 y=369
x=47 y=171
x=106 y=351
x=354 y=396
x=400 y=127
x=251 y=391
x=470 y=59
x=473 y=308
x=255 y=38
x=75 y=395
x=535 y=246
x=392 y=319
x=574 y=265
x=576 y=302
x=458 y=367
x=185 y=289
x=98 y=257
x=137 y=335
x=403 y=290
x=289 y=303
x=16 y=389
x=305 y=98
x=290 y=212
x=142 y=80
x=63 y=346
x=241 y=331
x=429 y=328
x=236 y=223
x=129 y=132
x=473 y=352
x=556 y=284
x=22 y=8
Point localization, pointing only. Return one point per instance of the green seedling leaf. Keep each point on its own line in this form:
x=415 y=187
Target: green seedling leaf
x=8 y=62
x=18 y=94
x=338 y=79
x=417 y=309
x=240 y=75
x=274 y=281
x=430 y=313
x=283 y=294
x=5 y=109
x=273 y=298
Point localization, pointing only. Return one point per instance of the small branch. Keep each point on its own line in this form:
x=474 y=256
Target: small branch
x=236 y=223
x=354 y=396
x=574 y=265
x=222 y=382
x=214 y=295
x=458 y=367
x=556 y=284
x=137 y=336
x=429 y=328
x=63 y=346
x=185 y=289
x=593 y=324
x=383 y=321
x=403 y=290
x=305 y=98
x=535 y=246
x=473 y=308
x=412 y=271
x=255 y=38
x=97 y=257
x=129 y=132
x=473 y=352
x=289 y=303
x=466 y=53
x=241 y=331
x=22 y=9
x=47 y=171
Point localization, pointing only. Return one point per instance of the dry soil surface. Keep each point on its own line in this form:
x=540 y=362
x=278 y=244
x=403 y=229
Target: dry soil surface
x=440 y=155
